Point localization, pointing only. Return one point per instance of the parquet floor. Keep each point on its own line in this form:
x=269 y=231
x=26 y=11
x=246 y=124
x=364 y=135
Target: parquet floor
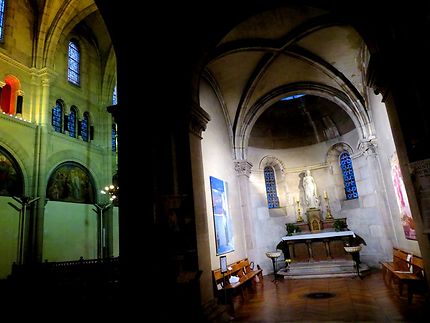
x=355 y=300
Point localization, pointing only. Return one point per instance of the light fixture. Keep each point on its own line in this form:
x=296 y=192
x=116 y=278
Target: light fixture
x=112 y=191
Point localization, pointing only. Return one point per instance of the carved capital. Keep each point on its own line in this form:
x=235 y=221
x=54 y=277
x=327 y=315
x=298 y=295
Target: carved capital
x=116 y=112
x=368 y=148
x=376 y=75
x=242 y=167
x=198 y=120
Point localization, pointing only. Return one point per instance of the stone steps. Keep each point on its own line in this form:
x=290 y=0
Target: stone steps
x=322 y=269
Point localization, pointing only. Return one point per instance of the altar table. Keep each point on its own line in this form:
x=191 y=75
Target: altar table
x=311 y=239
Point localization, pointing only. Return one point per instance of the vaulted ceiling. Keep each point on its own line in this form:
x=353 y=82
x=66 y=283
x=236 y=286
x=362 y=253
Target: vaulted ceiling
x=282 y=52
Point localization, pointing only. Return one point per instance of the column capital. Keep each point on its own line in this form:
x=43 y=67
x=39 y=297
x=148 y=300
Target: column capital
x=199 y=118
x=116 y=111
x=368 y=148
x=242 y=167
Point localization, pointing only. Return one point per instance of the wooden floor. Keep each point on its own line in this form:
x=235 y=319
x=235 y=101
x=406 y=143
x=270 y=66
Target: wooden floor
x=355 y=300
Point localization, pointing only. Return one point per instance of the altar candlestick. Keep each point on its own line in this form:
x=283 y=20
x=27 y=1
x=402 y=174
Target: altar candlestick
x=299 y=216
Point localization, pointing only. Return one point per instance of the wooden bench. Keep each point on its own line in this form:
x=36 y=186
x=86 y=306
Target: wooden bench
x=241 y=269
x=405 y=269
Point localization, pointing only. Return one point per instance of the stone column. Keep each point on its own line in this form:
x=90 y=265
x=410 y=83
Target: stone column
x=42 y=109
x=243 y=171
x=369 y=150
x=199 y=119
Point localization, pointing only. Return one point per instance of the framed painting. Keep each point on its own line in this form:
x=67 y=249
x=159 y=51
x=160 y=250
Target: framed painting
x=71 y=182
x=222 y=220
x=402 y=199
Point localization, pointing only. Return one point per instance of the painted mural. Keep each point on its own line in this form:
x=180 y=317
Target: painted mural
x=11 y=182
x=71 y=182
x=402 y=199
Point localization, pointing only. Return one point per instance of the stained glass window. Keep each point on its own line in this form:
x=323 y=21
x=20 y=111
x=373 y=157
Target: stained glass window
x=113 y=137
x=272 y=195
x=57 y=117
x=84 y=127
x=1 y=19
x=71 y=122
x=348 y=176
x=74 y=62
x=114 y=96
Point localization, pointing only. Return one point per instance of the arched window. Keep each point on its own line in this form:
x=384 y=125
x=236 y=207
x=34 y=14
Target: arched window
x=74 y=63
x=272 y=195
x=6 y=93
x=113 y=138
x=2 y=19
x=71 y=122
x=348 y=176
x=85 y=130
x=114 y=96
x=9 y=95
x=57 y=117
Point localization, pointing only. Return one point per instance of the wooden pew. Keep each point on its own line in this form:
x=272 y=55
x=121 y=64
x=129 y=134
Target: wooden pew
x=241 y=269
x=405 y=269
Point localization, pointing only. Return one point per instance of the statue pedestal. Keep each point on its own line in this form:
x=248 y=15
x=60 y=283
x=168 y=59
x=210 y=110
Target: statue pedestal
x=314 y=219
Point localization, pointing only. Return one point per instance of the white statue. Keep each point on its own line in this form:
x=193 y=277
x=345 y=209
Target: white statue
x=310 y=188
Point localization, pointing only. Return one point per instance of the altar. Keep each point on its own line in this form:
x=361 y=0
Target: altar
x=325 y=244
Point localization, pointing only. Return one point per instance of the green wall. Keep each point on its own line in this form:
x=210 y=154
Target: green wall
x=8 y=235
x=70 y=231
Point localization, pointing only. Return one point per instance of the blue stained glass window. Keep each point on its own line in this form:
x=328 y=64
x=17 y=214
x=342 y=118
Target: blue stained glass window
x=348 y=176
x=1 y=19
x=114 y=137
x=71 y=123
x=84 y=127
x=57 y=117
x=272 y=195
x=74 y=61
x=114 y=96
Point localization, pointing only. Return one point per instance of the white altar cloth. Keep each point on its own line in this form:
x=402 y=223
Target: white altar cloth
x=318 y=235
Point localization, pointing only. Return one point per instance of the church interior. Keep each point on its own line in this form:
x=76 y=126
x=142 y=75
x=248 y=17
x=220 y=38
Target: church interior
x=169 y=139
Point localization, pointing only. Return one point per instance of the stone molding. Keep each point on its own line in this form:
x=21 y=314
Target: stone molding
x=242 y=167
x=199 y=118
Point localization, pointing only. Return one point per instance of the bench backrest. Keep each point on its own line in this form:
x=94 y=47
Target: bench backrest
x=238 y=268
x=404 y=260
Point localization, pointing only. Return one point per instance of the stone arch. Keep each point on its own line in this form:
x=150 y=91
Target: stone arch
x=52 y=28
x=335 y=150
x=10 y=91
x=272 y=161
x=109 y=78
x=22 y=159
x=335 y=170
x=355 y=110
x=11 y=176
